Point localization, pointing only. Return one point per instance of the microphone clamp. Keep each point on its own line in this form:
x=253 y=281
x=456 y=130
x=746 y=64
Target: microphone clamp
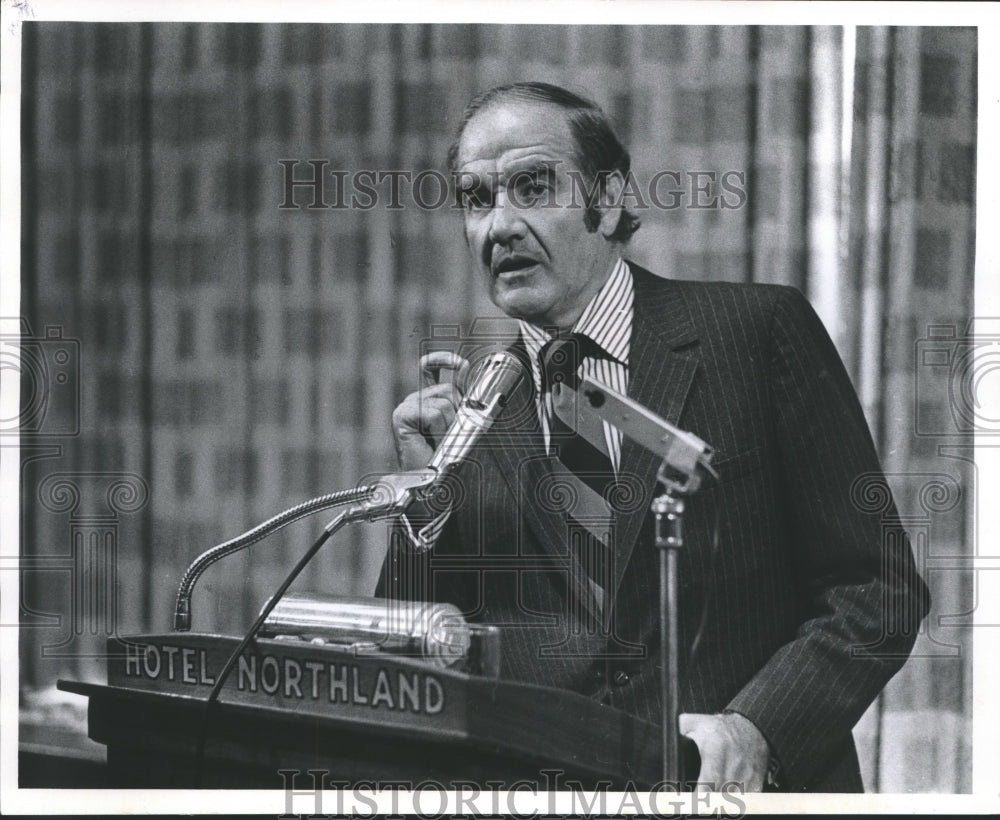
x=389 y=496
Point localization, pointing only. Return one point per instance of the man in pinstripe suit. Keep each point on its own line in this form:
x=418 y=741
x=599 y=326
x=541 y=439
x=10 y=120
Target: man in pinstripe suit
x=812 y=607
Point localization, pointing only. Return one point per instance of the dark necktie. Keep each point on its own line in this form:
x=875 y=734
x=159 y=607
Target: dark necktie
x=560 y=360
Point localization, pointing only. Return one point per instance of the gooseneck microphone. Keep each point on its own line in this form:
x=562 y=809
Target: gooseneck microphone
x=492 y=380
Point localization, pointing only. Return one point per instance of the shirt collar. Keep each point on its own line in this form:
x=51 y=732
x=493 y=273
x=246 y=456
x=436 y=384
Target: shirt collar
x=607 y=320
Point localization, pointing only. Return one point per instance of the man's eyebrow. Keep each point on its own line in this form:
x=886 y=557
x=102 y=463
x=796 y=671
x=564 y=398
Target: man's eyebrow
x=538 y=170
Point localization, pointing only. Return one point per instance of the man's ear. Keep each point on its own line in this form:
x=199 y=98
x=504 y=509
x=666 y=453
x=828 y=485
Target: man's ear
x=610 y=204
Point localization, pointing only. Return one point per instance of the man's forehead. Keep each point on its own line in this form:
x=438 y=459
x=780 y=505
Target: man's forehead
x=508 y=137
x=530 y=159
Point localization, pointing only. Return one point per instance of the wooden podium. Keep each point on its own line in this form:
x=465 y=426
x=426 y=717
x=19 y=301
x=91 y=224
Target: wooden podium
x=294 y=706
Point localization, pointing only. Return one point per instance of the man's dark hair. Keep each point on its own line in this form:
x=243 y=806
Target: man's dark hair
x=599 y=151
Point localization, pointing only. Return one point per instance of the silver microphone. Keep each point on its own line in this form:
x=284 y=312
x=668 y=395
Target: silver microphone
x=492 y=381
x=434 y=631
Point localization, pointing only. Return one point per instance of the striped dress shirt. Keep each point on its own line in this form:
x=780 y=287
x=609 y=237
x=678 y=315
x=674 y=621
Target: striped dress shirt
x=607 y=321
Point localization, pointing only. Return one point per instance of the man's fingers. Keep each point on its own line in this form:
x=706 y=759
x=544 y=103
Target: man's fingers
x=419 y=422
x=429 y=412
x=690 y=722
x=731 y=749
x=422 y=418
x=431 y=365
x=699 y=729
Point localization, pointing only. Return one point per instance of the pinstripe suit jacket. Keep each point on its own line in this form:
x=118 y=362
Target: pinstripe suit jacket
x=813 y=603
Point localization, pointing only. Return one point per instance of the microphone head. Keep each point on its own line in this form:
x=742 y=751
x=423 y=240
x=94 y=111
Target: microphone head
x=491 y=382
x=492 y=379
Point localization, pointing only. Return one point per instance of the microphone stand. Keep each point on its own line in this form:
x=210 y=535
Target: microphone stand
x=668 y=539
x=684 y=458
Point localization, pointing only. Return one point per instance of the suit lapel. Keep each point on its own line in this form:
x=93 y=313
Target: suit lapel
x=660 y=376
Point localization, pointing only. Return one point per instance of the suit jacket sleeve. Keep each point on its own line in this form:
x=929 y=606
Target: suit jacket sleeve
x=862 y=597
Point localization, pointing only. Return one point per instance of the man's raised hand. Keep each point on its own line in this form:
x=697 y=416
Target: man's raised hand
x=423 y=417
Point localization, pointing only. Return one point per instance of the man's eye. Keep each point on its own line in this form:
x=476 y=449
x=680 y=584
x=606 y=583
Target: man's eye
x=477 y=200
x=530 y=190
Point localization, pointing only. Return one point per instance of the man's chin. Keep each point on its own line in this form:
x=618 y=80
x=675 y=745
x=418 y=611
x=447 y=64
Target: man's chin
x=520 y=302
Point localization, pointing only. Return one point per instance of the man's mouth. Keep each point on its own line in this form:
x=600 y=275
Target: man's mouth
x=512 y=264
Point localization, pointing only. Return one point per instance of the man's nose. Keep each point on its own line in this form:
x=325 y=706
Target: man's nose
x=507 y=220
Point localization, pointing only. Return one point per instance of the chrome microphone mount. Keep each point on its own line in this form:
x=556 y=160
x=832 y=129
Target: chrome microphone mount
x=387 y=497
